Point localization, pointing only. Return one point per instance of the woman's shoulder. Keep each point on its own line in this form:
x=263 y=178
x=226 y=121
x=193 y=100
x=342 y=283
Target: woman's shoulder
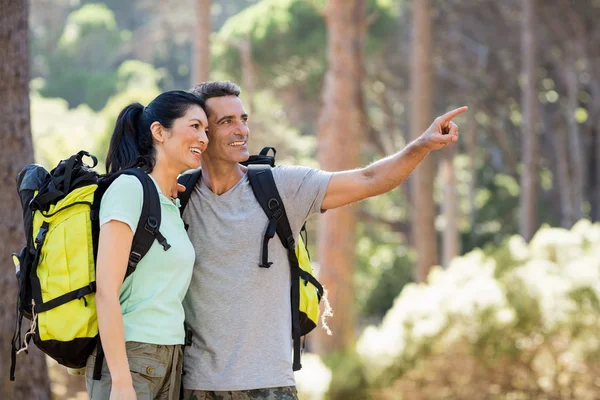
x=124 y=190
x=126 y=184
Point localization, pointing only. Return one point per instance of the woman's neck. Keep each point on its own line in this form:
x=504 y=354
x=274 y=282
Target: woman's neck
x=166 y=178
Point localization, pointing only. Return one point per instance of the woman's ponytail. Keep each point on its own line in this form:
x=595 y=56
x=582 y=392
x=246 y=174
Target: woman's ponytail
x=128 y=147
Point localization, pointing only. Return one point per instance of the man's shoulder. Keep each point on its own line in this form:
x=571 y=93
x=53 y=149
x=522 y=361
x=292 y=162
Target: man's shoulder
x=283 y=171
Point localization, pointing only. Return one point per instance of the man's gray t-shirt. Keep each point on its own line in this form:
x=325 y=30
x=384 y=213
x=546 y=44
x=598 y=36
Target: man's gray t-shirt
x=240 y=314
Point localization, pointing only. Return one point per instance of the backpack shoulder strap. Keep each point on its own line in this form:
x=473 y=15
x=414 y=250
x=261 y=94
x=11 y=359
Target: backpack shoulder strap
x=148 y=226
x=266 y=193
x=189 y=180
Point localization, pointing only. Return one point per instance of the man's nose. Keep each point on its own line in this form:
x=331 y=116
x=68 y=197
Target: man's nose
x=242 y=128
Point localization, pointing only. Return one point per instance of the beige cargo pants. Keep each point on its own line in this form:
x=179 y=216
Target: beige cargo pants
x=155 y=370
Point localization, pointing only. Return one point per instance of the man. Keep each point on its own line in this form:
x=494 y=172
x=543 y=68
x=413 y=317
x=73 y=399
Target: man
x=240 y=314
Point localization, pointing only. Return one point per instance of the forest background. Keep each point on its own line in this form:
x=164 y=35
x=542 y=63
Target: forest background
x=441 y=288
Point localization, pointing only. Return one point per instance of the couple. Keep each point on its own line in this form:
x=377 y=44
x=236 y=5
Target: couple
x=239 y=315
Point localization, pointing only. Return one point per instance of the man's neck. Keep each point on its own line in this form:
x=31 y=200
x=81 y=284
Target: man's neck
x=219 y=177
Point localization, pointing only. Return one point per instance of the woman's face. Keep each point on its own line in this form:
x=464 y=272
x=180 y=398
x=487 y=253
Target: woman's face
x=186 y=140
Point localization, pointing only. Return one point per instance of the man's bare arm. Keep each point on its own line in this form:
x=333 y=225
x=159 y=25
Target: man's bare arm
x=347 y=187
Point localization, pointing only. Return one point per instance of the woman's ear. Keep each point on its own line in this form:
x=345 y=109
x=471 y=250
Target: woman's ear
x=158 y=132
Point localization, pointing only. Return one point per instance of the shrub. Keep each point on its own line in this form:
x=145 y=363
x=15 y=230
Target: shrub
x=519 y=321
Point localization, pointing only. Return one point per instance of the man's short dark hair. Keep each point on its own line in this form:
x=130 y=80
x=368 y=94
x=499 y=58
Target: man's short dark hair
x=211 y=89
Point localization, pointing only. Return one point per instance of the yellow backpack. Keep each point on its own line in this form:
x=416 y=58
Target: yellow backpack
x=56 y=269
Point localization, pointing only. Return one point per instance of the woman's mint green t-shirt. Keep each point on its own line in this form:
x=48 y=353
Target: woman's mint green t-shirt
x=151 y=296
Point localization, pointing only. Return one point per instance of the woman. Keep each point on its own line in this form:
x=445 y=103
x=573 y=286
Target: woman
x=141 y=318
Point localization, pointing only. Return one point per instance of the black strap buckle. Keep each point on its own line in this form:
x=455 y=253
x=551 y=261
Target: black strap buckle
x=291 y=242
x=275 y=206
x=134 y=258
x=151 y=225
x=39 y=239
x=162 y=241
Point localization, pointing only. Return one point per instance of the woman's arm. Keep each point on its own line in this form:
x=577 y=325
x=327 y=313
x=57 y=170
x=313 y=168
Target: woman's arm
x=113 y=254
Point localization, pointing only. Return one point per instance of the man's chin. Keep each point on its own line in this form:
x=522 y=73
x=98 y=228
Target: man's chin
x=241 y=157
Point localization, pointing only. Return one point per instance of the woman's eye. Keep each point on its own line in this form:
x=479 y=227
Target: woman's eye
x=196 y=126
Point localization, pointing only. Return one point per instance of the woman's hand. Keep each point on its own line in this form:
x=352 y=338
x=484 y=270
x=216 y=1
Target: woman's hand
x=122 y=391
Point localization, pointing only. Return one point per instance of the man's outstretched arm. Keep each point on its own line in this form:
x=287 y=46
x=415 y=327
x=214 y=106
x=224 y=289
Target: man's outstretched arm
x=347 y=187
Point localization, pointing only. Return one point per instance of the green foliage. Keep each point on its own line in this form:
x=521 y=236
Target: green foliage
x=288 y=39
x=82 y=69
x=385 y=262
x=497 y=202
x=133 y=74
x=390 y=283
x=270 y=126
x=137 y=83
x=348 y=380
x=383 y=268
x=270 y=26
x=59 y=131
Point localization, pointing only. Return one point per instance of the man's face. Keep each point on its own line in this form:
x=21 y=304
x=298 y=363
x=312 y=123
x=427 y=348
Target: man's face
x=227 y=130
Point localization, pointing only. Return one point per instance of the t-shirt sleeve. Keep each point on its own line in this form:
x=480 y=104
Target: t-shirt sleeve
x=302 y=190
x=122 y=201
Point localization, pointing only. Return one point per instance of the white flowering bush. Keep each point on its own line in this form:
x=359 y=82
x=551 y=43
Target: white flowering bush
x=520 y=321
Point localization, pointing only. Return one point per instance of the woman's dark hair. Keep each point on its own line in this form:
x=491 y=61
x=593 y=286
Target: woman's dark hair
x=131 y=144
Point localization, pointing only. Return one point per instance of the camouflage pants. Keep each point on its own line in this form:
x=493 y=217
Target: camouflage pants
x=280 y=393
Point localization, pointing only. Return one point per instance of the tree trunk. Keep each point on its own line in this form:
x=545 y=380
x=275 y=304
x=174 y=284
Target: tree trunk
x=248 y=72
x=500 y=135
x=423 y=206
x=16 y=151
x=595 y=206
x=575 y=143
x=565 y=192
x=471 y=142
x=529 y=178
x=201 y=57
x=451 y=235
x=340 y=134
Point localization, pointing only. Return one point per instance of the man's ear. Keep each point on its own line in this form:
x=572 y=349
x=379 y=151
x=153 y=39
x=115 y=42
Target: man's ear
x=158 y=132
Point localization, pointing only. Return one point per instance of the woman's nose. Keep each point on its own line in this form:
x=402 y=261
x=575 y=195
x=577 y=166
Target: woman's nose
x=203 y=140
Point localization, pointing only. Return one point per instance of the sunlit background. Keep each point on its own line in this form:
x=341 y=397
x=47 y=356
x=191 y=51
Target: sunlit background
x=509 y=313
